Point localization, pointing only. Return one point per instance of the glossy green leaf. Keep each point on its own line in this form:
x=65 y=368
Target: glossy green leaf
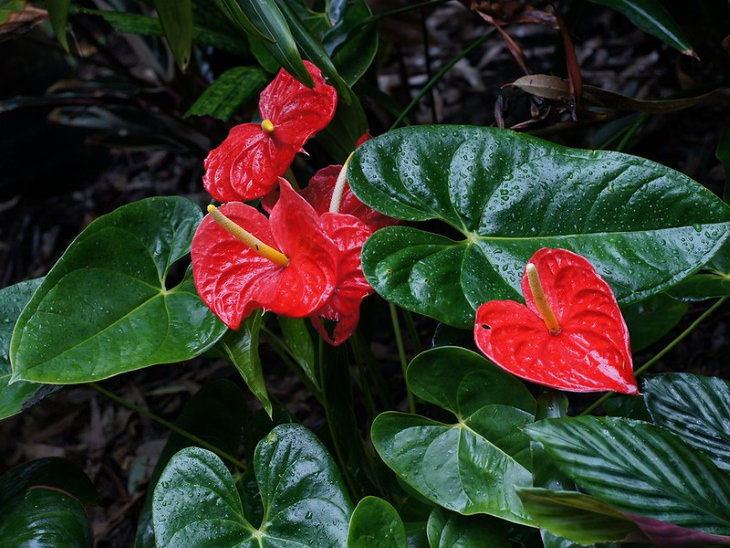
x=216 y=414
x=700 y=287
x=176 y=18
x=576 y=516
x=649 y=320
x=651 y=17
x=196 y=502
x=53 y=472
x=475 y=465
x=448 y=530
x=58 y=14
x=644 y=227
x=299 y=340
x=105 y=307
x=263 y=19
x=376 y=524
x=345 y=129
x=351 y=41
x=14 y=397
x=694 y=407
x=230 y=91
x=46 y=518
x=241 y=348
x=639 y=468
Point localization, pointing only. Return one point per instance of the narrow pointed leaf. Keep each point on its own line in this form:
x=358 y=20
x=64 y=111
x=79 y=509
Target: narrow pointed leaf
x=299 y=340
x=110 y=288
x=639 y=468
x=643 y=226
x=651 y=17
x=196 y=501
x=230 y=91
x=58 y=14
x=696 y=408
x=241 y=348
x=376 y=524
x=176 y=18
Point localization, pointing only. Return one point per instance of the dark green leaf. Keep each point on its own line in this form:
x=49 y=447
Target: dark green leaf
x=105 y=309
x=345 y=129
x=46 y=518
x=700 y=287
x=639 y=468
x=694 y=407
x=241 y=348
x=13 y=397
x=448 y=530
x=651 y=17
x=723 y=154
x=644 y=226
x=230 y=91
x=649 y=320
x=9 y=6
x=351 y=42
x=176 y=17
x=196 y=501
x=299 y=340
x=216 y=414
x=576 y=516
x=58 y=14
x=376 y=524
x=445 y=335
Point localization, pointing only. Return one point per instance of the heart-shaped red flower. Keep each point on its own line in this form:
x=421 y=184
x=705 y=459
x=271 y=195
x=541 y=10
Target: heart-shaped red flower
x=343 y=308
x=590 y=351
x=233 y=279
x=248 y=162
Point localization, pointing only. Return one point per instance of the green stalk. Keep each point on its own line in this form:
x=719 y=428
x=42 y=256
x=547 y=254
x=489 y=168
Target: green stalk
x=170 y=426
x=661 y=353
x=401 y=354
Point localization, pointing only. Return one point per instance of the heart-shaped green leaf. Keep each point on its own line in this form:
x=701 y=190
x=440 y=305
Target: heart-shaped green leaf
x=474 y=465
x=449 y=530
x=577 y=516
x=376 y=524
x=46 y=518
x=643 y=226
x=13 y=397
x=196 y=502
x=105 y=308
x=639 y=468
x=696 y=408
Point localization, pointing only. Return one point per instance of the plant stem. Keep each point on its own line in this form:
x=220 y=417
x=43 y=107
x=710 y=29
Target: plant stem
x=401 y=354
x=412 y=331
x=170 y=426
x=661 y=353
x=440 y=74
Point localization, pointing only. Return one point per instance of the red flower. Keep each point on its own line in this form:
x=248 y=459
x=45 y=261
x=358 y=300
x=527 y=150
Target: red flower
x=577 y=341
x=233 y=279
x=343 y=308
x=319 y=193
x=248 y=162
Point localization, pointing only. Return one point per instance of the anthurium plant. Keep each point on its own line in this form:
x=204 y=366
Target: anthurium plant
x=522 y=271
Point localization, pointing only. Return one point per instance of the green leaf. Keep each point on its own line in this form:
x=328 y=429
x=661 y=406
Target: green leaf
x=649 y=320
x=475 y=465
x=651 y=17
x=644 y=227
x=216 y=414
x=263 y=18
x=230 y=91
x=639 y=468
x=58 y=14
x=700 y=287
x=351 y=41
x=176 y=18
x=299 y=340
x=576 y=516
x=449 y=530
x=722 y=153
x=241 y=348
x=46 y=518
x=694 y=407
x=376 y=524
x=345 y=129
x=14 y=397
x=9 y=6
x=105 y=309
x=196 y=501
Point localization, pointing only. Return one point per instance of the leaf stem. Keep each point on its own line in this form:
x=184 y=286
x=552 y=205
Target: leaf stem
x=661 y=353
x=401 y=354
x=440 y=74
x=170 y=426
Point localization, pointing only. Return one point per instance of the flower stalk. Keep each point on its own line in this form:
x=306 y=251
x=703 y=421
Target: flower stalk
x=541 y=302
